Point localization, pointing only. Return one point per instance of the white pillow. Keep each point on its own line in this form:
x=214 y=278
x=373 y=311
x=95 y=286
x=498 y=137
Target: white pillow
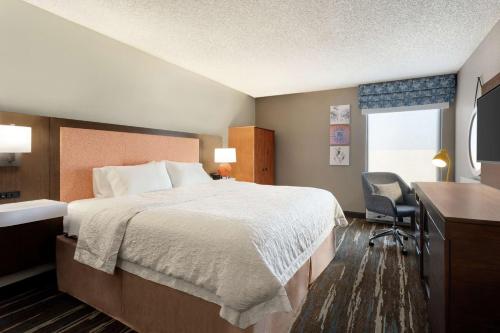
x=391 y=190
x=135 y=179
x=182 y=174
x=100 y=182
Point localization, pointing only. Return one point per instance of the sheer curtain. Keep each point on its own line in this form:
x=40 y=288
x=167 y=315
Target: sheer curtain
x=404 y=142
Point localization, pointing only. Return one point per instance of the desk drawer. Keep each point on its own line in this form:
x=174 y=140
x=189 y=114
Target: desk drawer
x=434 y=271
x=474 y=278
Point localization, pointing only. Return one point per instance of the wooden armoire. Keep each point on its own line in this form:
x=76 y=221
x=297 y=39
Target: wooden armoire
x=254 y=154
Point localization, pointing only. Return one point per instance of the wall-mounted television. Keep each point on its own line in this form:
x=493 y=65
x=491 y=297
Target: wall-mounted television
x=488 y=126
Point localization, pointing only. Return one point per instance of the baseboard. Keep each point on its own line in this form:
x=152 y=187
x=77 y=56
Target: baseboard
x=356 y=215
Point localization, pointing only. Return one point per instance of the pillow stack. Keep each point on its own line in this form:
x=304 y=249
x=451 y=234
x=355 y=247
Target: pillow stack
x=112 y=181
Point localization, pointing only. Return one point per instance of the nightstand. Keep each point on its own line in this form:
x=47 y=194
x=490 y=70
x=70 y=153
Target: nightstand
x=216 y=176
x=27 y=238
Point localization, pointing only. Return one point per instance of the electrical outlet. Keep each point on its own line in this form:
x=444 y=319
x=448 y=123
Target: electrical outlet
x=10 y=195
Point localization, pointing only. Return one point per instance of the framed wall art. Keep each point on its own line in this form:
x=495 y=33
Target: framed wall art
x=340 y=134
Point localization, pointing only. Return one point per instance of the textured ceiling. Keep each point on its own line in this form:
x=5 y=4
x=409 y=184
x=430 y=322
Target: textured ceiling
x=270 y=47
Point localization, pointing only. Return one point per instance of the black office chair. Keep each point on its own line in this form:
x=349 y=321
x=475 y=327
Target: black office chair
x=386 y=206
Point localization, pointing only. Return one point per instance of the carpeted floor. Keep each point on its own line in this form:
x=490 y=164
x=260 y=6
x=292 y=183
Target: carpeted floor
x=44 y=309
x=366 y=289
x=363 y=290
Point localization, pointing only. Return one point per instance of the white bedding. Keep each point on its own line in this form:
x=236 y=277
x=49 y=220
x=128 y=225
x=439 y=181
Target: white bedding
x=232 y=243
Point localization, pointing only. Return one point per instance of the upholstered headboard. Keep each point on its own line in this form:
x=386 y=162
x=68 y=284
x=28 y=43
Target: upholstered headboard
x=83 y=146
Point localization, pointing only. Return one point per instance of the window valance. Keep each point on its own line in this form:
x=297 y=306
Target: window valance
x=421 y=93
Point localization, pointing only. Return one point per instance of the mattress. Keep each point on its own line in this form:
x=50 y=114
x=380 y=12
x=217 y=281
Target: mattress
x=231 y=243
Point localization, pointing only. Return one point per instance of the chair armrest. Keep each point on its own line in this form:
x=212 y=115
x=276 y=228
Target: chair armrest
x=410 y=198
x=381 y=204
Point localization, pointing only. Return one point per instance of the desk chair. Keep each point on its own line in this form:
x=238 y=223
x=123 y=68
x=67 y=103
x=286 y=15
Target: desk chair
x=386 y=206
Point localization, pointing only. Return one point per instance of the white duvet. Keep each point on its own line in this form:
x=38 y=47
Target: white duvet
x=232 y=243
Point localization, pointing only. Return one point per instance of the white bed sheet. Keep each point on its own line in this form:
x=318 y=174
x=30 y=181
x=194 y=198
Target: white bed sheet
x=232 y=243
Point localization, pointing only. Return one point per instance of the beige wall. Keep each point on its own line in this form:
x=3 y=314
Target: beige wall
x=301 y=123
x=50 y=66
x=484 y=62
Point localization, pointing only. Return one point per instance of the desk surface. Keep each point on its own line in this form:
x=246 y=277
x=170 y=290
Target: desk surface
x=465 y=203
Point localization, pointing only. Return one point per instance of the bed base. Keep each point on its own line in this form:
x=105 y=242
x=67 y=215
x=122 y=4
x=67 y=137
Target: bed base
x=147 y=306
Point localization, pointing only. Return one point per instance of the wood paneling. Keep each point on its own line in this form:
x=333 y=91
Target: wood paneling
x=32 y=176
x=492 y=83
x=28 y=245
x=490 y=172
x=208 y=143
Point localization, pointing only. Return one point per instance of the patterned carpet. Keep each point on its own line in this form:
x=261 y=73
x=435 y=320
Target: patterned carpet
x=363 y=290
x=366 y=289
x=44 y=309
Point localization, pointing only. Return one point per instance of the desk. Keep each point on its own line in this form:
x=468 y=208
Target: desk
x=459 y=245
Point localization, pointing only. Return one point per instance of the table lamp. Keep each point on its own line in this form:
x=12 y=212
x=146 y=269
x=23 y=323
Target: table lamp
x=13 y=140
x=441 y=160
x=224 y=156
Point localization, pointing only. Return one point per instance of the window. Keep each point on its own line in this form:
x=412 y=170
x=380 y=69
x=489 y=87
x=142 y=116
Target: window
x=405 y=142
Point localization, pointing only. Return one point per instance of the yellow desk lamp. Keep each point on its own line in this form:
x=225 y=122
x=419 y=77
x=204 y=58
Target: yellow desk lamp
x=441 y=160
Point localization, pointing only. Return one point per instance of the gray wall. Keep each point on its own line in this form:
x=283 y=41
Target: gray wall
x=301 y=122
x=484 y=62
x=50 y=66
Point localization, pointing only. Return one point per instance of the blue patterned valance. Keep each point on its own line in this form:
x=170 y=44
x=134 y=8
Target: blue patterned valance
x=430 y=90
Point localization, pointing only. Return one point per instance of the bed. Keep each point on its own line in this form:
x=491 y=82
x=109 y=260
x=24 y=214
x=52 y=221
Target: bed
x=220 y=256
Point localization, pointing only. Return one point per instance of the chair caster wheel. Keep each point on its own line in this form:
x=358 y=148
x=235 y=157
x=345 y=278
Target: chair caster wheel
x=370 y=243
x=404 y=252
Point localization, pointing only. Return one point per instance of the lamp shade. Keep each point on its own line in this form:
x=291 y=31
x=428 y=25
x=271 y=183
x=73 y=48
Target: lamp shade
x=15 y=139
x=225 y=155
x=442 y=159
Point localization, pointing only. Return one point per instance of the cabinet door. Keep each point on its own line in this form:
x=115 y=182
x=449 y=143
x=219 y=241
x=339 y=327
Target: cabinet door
x=264 y=156
x=242 y=138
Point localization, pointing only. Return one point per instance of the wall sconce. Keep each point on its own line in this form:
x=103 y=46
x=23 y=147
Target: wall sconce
x=14 y=140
